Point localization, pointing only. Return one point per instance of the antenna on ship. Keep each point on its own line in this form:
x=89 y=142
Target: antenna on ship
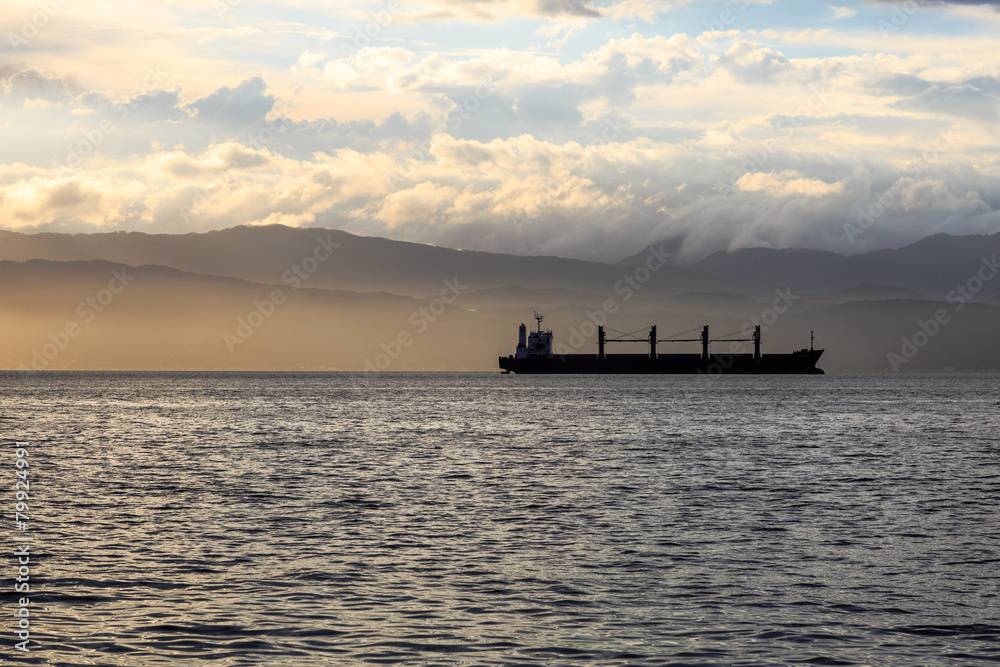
x=539 y=318
x=811 y=340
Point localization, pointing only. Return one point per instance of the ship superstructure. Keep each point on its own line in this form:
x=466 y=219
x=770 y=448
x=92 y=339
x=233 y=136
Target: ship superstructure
x=538 y=344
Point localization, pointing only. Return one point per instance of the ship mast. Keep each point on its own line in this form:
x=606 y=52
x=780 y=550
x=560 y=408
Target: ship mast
x=539 y=318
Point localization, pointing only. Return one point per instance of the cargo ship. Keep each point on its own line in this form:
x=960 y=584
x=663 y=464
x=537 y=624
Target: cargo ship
x=535 y=354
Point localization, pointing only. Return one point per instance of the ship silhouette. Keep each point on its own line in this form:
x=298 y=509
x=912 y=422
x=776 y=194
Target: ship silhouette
x=534 y=354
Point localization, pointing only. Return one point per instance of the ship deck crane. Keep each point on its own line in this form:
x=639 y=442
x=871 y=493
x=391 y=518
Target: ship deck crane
x=652 y=340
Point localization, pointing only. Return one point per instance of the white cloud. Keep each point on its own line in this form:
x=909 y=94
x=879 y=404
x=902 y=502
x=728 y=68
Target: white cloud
x=966 y=101
x=491 y=11
x=364 y=68
x=645 y=10
x=837 y=13
x=787 y=183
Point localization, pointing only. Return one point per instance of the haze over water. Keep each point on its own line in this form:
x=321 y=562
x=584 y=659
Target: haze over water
x=300 y=519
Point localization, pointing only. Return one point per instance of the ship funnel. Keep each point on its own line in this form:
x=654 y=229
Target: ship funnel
x=522 y=336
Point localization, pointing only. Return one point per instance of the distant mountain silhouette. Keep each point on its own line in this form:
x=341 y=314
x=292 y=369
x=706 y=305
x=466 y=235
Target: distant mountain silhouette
x=360 y=263
x=932 y=266
x=866 y=292
x=369 y=301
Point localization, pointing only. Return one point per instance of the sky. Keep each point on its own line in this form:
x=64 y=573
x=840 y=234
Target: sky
x=580 y=128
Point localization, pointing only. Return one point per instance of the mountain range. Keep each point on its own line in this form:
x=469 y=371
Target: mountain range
x=280 y=298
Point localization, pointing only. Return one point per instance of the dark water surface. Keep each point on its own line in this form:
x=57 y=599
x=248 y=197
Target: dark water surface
x=298 y=519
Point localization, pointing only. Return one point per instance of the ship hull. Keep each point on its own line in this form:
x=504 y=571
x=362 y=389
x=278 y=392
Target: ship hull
x=796 y=363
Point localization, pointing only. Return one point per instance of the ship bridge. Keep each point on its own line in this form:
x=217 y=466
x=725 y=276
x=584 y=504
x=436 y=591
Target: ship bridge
x=538 y=343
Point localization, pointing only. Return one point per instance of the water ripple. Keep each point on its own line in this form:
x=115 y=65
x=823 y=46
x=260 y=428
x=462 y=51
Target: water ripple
x=504 y=520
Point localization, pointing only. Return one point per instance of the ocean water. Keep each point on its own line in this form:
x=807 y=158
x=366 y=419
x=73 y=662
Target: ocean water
x=487 y=519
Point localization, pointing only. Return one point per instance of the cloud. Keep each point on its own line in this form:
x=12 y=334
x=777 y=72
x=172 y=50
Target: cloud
x=519 y=194
x=427 y=202
x=156 y=106
x=30 y=85
x=785 y=184
x=235 y=108
x=549 y=111
x=69 y=195
x=219 y=159
x=938 y=3
x=42 y=199
x=900 y=84
x=618 y=137
x=491 y=11
x=752 y=64
x=645 y=10
x=367 y=68
x=837 y=13
x=964 y=101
